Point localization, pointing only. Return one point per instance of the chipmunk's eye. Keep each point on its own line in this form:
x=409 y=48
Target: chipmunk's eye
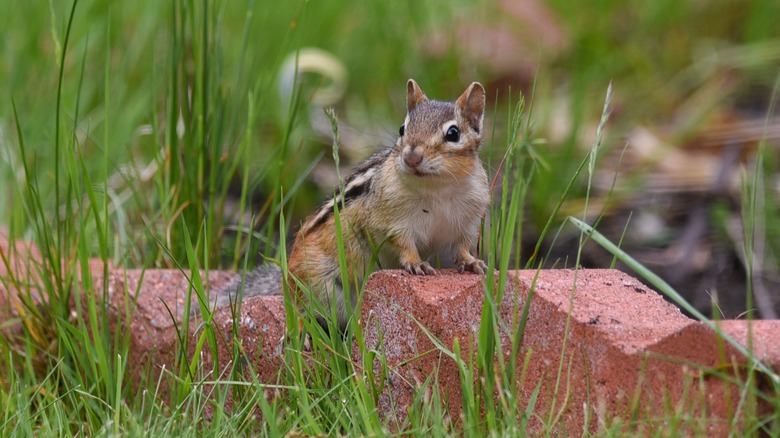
x=401 y=131
x=453 y=134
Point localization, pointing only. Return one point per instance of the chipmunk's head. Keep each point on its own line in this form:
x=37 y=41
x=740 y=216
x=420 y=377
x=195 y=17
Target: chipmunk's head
x=440 y=138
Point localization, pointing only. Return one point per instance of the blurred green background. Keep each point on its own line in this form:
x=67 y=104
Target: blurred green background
x=180 y=110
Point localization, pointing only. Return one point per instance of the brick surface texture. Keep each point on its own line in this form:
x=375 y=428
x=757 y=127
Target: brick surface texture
x=598 y=343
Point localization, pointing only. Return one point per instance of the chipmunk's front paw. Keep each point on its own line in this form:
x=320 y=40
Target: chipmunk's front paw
x=422 y=268
x=477 y=267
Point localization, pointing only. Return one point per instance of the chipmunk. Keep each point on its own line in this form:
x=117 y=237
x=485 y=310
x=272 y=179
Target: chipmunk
x=425 y=195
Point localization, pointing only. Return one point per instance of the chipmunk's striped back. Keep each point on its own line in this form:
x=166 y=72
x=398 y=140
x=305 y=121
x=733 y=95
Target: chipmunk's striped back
x=357 y=184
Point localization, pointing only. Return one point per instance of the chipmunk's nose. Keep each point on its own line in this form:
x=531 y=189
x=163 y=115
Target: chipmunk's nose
x=412 y=158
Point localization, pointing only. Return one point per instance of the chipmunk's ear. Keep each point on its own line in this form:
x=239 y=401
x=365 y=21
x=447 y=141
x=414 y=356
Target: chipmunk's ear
x=414 y=95
x=472 y=105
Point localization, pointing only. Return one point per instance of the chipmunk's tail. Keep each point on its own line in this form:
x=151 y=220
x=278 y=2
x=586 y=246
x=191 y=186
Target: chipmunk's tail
x=263 y=280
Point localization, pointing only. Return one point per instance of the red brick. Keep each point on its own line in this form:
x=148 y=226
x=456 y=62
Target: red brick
x=622 y=340
x=624 y=343
x=144 y=311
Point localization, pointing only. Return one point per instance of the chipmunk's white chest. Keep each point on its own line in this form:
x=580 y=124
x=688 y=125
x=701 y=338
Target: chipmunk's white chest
x=439 y=219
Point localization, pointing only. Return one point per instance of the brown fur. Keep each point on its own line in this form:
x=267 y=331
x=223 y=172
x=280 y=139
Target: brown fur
x=425 y=195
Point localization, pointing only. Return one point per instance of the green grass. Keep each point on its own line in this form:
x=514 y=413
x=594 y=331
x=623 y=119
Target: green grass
x=153 y=134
